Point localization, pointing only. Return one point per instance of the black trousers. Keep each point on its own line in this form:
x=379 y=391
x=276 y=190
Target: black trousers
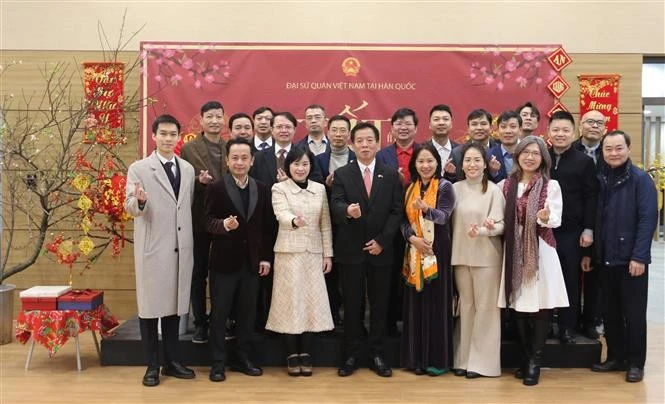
x=226 y=288
x=332 y=286
x=570 y=255
x=199 y=278
x=150 y=339
x=592 y=310
x=625 y=314
x=356 y=281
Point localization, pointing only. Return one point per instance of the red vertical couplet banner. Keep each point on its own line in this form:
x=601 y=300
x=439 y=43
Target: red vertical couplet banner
x=104 y=92
x=601 y=92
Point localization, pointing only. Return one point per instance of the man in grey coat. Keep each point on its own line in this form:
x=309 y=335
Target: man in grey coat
x=159 y=195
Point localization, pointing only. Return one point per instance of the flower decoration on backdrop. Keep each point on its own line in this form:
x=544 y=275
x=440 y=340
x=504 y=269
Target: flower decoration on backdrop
x=188 y=67
x=521 y=69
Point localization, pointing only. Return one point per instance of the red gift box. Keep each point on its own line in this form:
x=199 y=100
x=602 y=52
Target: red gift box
x=81 y=300
x=39 y=303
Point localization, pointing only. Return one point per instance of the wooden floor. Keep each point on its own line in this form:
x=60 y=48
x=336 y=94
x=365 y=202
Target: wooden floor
x=57 y=380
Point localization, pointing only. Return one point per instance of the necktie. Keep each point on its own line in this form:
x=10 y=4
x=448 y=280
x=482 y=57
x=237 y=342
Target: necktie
x=169 y=173
x=591 y=153
x=367 y=179
x=263 y=145
x=281 y=156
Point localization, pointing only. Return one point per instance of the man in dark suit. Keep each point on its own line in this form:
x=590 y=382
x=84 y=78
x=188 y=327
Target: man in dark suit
x=367 y=208
x=440 y=124
x=262 y=117
x=206 y=154
x=479 y=128
x=338 y=155
x=592 y=128
x=315 y=122
x=397 y=155
x=576 y=175
x=240 y=219
x=501 y=156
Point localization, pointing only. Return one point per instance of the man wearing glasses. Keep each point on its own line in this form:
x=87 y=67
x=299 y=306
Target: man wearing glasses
x=592 y=129
x=315 y=122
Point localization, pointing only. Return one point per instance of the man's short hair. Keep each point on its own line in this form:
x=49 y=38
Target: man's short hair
x=261 y=110
x=316 y=106
x=626 y=136
x=403 y=113
x=562 y=115
x=238 y=116
x=479 y=113
x=211 y=105
x=531 y=105
x=507 y=116
x=440 y=107
x=239 y=140
x=364 y=125
x=166 y=118
x=286 y=115
x=339 y=118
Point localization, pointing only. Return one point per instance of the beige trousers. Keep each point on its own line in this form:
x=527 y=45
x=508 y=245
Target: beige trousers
x=477 y=339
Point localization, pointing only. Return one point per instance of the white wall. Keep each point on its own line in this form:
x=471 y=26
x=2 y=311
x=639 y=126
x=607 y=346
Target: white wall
x=581 y=26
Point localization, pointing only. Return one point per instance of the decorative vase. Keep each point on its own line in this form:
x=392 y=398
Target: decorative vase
x=6 y=313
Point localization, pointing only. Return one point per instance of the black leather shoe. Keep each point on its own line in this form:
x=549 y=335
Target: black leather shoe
x=459 y=372
x=566 y=336
x=532 y=373
x=305 y=364
x=473 y=375
x=151 y=376
x=634 y=374
x=247 y=367
x=609 y=365
x=519 y=373
x=380 y=367
x=348 y=367
x=200 y=335
x=419 y=371
x=176 y=369
x=217 y=373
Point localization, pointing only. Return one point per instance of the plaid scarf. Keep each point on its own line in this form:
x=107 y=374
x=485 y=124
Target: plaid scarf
x=522 y=232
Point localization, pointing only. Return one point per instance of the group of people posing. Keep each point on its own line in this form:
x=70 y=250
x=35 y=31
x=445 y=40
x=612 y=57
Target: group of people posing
x=465 y=230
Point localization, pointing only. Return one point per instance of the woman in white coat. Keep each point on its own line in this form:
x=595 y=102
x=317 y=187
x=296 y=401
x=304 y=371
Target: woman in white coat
x=303 y=252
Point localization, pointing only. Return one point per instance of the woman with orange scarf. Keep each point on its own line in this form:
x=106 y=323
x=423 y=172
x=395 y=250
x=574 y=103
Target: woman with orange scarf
x=427 y=336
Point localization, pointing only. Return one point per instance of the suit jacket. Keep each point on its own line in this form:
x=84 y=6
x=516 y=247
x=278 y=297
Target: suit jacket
x=303 y=143
x=381 y=213
x=288 y=199
x=251 y=242
x=388 y=156
x=196 y=153
x=265 y=167
x=498 y=154
x=323 y=161
x=163 y=245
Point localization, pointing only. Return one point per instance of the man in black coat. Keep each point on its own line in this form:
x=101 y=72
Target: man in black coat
x=240 y=220
x=576 y=175
x=367 y=204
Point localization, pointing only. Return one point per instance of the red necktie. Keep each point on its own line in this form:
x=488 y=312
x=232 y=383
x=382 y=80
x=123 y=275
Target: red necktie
x=367 y=179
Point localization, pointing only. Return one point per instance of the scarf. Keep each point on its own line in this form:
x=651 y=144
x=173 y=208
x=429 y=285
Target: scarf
x=522 y=232
x=417 y=268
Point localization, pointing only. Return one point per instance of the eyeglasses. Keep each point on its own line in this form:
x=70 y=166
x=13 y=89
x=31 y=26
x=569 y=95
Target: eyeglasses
x=314 y=117
x=340 y=131
x=531 y=153
x=599 y=122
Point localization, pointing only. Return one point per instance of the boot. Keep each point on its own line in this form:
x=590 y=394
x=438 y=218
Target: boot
x=538 y=337
x=524 y=330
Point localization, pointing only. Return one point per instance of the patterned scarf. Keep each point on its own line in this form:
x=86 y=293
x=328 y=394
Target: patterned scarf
x=419 y=269
x=522 y=232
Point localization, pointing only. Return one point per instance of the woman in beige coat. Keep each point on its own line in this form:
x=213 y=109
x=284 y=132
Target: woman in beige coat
x=303 y=252
x=476 y=259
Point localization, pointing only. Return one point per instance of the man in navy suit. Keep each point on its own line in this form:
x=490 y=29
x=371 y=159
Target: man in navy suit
x=338 y=155
x=501 y=156
x=315 y=122
x=440 y=123
x=367 y=204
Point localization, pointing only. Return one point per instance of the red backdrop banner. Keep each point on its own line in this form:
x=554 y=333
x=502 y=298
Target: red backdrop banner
x=104 y=91
x=601 y=92
x=363 y=82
